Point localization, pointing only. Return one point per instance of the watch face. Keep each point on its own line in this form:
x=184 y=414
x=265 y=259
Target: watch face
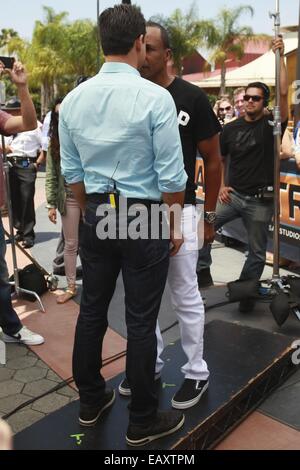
x=210 y=217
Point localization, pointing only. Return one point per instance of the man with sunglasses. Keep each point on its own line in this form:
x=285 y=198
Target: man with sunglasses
x=247 y=193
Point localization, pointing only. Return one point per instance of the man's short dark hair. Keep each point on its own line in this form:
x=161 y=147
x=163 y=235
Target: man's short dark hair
x=163 y=31
x=119 y=27
x=265 y=89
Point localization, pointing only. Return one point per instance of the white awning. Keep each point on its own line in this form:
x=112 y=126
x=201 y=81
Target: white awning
x=261 y=69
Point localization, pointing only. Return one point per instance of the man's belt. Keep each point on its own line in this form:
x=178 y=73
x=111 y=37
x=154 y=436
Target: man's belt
x=103 y=198
x=21 y=160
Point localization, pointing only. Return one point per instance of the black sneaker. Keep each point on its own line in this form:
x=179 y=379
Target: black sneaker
x=165 y=423
x=246 y=305
x=189 y=393
x=19 y=237
x=89 y=415
x=124 y=387
x=28 y=243
x=204 y=278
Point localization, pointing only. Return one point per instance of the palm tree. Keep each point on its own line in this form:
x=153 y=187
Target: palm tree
x=184 y=31
x=225 y=37
x=6 y=35
x=59 y=52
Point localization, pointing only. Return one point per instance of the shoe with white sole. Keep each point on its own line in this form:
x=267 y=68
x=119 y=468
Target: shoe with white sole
x=24 y=336
x=124 y=387
x=189 y=393
x=89 y=415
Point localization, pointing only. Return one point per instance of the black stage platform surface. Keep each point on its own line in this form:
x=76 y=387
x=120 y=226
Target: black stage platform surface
x=246 y=365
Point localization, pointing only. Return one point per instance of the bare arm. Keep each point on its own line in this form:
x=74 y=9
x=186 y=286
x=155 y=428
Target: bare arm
x=172 y=199
x=278 y=44
x=210 y=152
x=27 y=121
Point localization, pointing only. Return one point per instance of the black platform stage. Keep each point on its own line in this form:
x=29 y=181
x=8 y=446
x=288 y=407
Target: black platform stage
x=246 y=365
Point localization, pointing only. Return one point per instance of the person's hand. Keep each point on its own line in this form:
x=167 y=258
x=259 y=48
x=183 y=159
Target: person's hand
x=224 y=196
x=278 y=44
x=18 y=74
x=176 y=242
x=52 y=215
x=209 y=233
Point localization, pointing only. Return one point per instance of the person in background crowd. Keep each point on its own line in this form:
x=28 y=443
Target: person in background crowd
x=13 y=330
x=23 y=149
x=238 y=101
x=249 y=142
x=60 y=197
x=225 y=111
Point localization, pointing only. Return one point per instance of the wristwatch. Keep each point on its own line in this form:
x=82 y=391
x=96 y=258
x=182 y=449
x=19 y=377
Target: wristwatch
x=210 y=217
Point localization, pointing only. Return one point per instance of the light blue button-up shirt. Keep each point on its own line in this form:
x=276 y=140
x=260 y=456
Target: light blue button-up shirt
x=118 y=125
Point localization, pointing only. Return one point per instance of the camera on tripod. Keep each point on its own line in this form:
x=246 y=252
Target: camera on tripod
x=266 y=194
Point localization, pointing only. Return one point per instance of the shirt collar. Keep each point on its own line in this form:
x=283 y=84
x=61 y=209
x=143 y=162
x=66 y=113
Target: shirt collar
x=118 y=67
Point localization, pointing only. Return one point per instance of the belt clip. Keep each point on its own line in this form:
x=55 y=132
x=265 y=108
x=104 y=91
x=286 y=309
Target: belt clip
x=112 y=201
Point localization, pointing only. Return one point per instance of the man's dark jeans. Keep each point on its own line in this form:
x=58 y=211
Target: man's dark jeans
x=144 y=265
x=256 y=216
x=22 y=185
x=9 y=320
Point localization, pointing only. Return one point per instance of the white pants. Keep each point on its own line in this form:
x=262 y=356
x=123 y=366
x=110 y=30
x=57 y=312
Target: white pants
x=187 y=301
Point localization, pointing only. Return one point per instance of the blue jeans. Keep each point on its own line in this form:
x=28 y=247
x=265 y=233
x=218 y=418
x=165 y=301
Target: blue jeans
x=9 y=320
x=144 y=265
x=256 y=216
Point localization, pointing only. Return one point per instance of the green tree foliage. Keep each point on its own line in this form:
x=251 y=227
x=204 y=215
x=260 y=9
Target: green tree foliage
x=184 y=31
x=6 y=35
x=58 y=53
x=225 y=37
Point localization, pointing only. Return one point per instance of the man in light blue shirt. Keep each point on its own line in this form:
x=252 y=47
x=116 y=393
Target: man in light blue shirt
x=119 y=137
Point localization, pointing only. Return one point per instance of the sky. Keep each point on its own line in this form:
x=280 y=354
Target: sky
x=21 y=14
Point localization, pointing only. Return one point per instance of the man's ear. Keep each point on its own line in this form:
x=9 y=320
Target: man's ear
x=168 y=55
x=139 y=42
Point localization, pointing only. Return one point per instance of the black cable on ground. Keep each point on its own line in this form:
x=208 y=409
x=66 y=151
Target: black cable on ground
x=32 y=400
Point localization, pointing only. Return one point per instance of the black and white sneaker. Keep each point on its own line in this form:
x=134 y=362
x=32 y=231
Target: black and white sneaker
x=189 y=393
x=89 y=415
x=124 y=387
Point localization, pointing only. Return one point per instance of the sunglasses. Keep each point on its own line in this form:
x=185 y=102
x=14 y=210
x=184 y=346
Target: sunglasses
x=228 y=108
x=254 y=98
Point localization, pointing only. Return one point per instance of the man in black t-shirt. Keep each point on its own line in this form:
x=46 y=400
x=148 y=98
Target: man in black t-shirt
x=249 y=142
x=199 y=131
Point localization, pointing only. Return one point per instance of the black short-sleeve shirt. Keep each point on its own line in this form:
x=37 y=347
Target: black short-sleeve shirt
x=197 y=122
x=250 y=147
